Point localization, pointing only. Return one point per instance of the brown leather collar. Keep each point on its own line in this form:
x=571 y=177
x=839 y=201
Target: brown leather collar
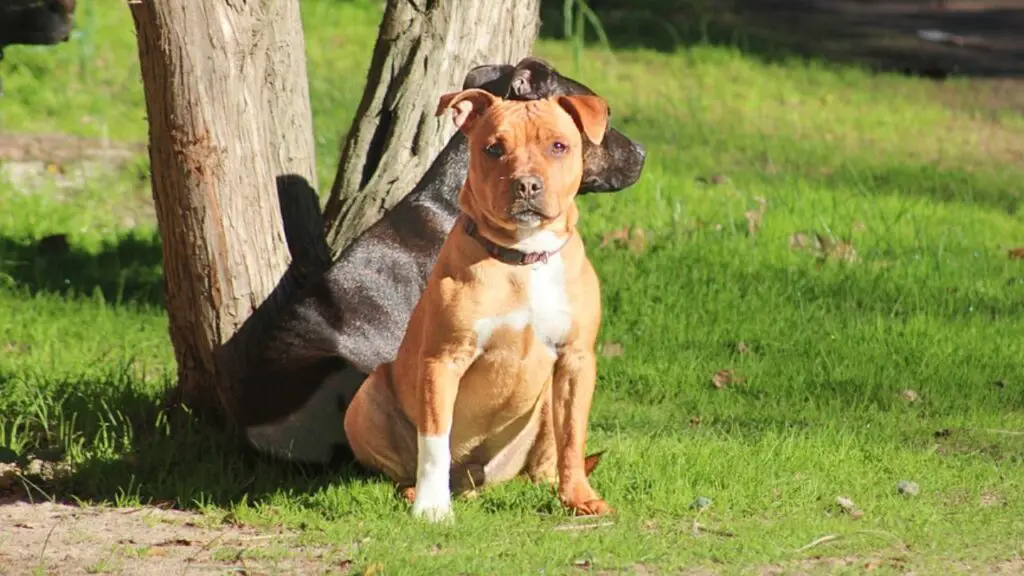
x=505 y=254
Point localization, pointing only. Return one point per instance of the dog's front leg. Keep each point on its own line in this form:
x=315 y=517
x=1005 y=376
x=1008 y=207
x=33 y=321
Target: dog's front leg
x=573 y=391
x=438 y=387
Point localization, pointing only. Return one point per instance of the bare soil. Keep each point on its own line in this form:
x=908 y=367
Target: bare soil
x=50 y=538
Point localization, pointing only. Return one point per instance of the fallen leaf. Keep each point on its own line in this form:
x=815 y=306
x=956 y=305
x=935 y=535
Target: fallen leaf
x=638 y=240
x=582 y=564
x=634 y=238
x=909 y=395
x=724 y=378
x=1016 y=253
x=714 y=179
x=823 y=247
x=621 y=234
x=611 y=349
x=753 y=221
x=844 y=251
x=742 y=347
x=799 y=240
x=754 y=217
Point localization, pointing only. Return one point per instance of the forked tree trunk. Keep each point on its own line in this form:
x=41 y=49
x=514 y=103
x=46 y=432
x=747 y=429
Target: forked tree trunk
x=231 y=148
x=424 y=48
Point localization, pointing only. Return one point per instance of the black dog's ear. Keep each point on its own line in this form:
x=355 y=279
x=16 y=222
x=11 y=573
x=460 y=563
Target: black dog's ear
x=481 y=75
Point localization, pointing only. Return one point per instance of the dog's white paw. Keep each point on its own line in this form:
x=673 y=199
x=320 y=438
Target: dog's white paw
x=433 y=497
x=433 y=503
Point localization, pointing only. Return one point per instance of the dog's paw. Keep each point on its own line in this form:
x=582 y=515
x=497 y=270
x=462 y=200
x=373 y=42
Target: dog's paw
x=432 y=504
x=582 y=500
x=596 y=507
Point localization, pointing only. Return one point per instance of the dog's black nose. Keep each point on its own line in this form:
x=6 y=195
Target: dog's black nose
x=527 y=187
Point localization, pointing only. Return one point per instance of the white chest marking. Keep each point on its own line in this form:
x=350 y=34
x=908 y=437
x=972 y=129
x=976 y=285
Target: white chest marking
x=548 y=311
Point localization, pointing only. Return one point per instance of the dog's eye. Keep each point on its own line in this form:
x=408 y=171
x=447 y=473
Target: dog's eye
x=496 y=150
x=558 y=148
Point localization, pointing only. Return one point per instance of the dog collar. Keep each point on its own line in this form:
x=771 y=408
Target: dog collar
x=505 y=254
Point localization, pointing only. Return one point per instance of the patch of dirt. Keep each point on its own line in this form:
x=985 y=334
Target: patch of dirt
x=48 y=538
x=63 y=148
x=32 y=161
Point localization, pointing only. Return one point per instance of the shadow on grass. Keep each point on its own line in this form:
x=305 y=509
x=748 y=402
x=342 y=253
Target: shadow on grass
x=882 y=34
x=124 y=449
x=126 y=270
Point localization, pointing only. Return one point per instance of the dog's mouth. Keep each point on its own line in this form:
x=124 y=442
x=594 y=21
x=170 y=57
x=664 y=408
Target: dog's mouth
x=527 y=218
x=529 y=215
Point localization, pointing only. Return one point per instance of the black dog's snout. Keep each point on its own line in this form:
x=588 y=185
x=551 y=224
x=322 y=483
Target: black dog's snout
x=640 y=149
x=527 y=187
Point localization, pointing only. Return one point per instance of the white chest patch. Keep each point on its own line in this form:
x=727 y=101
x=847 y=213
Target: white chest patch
x=548 y=311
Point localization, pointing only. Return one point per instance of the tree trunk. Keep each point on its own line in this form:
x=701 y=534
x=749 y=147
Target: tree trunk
x=424 y=48
x=231 y=150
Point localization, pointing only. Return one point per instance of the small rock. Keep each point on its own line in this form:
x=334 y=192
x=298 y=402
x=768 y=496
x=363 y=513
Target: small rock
x=701 y=502
x=35 y=467
x=8 y=474
x=907 y=488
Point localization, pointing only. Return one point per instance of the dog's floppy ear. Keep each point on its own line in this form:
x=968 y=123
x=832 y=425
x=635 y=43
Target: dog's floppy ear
x=590 y=114
x=468 y=105
x=485 y=74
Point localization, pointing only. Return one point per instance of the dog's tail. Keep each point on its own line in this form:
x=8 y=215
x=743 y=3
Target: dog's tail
x=591 y=462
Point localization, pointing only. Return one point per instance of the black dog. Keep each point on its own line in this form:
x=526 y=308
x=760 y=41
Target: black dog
x=38 y=22
x=34 y=22
x=353 y=318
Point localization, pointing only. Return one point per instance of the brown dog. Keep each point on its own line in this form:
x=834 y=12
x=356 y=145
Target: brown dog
x=495 y=374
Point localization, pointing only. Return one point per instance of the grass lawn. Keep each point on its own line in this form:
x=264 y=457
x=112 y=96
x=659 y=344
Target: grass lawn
x=809 y=295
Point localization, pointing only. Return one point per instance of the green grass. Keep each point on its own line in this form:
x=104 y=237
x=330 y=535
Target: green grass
x=928 y=195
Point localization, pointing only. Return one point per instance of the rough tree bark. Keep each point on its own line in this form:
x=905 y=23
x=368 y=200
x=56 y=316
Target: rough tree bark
x=424 y=48
x=231 y=150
